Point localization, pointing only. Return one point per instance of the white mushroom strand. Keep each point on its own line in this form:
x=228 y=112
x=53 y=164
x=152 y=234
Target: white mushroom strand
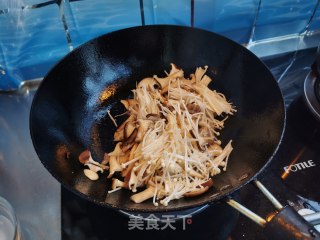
x=169 y=144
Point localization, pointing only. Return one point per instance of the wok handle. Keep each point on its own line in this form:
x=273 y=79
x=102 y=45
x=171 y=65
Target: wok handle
x=286 y=223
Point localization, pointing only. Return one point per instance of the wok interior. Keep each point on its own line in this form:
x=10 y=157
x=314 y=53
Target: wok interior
x=69 y=115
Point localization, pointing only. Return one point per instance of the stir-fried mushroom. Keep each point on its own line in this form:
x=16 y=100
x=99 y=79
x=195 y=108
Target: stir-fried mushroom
x=84 y=156
x=144 y=195
x=116 y=183
x=153 y=117
x=215 y=149
x=119 y=133
x=193 y=108
x=129 y=142
x=150 y=84
x=196 y=192
x=128 y=129
x=114 y=166
x=129 y=103
x=86 y=159
x=169 y=143
x=144 y=125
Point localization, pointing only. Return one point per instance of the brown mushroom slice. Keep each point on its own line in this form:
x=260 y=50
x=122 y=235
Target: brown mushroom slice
x=114 y=166
x=119 y=133
x=208 y=183
x=144 y=125
x=153 y=117
x=117 y=150
x=197 y=143
x=150 y=84
x=193 y=108
x=127 y=103
x=196 y=192
x=129 y=142
x=215 y=149
x=132 y=151
x=116 y=183
x=106 y=159
x=126 y=172
x=144 y=195
x=124 y=158
x=128 y=129
x=84 y=156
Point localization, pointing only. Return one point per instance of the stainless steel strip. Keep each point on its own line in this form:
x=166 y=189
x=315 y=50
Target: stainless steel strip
x=268 y=195
x=248 y=213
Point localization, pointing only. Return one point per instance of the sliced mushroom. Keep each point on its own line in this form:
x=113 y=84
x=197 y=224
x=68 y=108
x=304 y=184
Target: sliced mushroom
x=174 y=73
x=117 y=151
x=106 y=159
x=153 y=117
x=199 y=145
x=116 y=183
x=144 y=195
x=150 y=84
x=132 y=151
x=119 y=133
x=175 y=69
x=144 y=125
x=126 y=172
x=137 y=153
x=127 y=103
x=128 y=129
x=91 y=174
x=114 y=166
x=84 y=156
x=124 y=158
x=133 y=182
x=196 y=192
x=215 y=149
x=193 y=108
x=129 y=142
x=208 y=183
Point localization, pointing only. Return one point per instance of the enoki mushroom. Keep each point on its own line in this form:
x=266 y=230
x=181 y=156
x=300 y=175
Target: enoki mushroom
x=169 y=145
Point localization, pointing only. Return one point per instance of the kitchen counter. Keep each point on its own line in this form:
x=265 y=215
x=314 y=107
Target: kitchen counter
x=24 y=182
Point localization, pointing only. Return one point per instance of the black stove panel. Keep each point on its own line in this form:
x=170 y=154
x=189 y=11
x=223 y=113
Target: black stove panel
x=298 y=160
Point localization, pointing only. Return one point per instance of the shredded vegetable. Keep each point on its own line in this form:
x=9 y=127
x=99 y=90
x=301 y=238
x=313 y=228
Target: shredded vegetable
x=169 y=145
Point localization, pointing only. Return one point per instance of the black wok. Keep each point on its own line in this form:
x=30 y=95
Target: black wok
x=69 y=110
x=69 y=114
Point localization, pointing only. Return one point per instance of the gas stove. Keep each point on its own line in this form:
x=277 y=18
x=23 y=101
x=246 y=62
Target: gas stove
x=292 y=177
